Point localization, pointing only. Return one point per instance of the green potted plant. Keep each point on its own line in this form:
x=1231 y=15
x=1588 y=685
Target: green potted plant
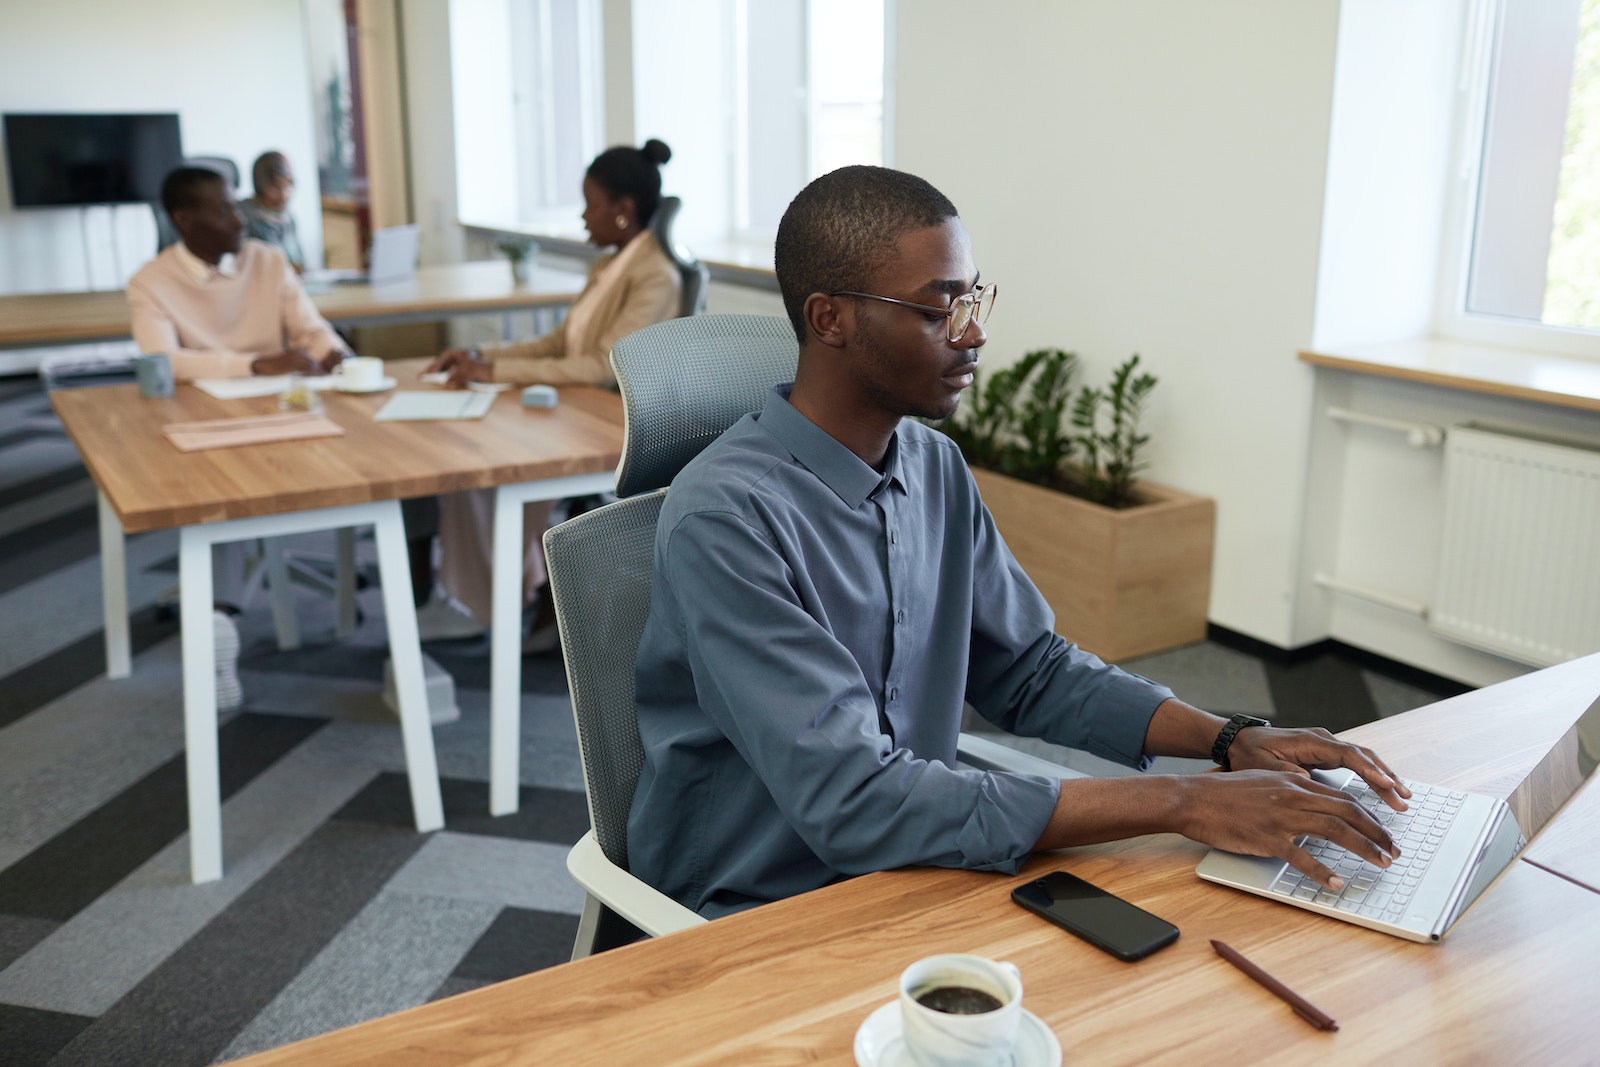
x=1124 y=563
x=520 y=250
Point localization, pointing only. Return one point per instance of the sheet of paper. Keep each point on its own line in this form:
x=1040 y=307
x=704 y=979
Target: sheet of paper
x=436 y=404
x=262 y=385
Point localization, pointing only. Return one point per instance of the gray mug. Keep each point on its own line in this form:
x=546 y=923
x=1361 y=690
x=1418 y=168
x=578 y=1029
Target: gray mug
x=154 y=372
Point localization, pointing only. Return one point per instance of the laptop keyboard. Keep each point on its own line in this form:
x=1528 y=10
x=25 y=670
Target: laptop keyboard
x=1379 y=892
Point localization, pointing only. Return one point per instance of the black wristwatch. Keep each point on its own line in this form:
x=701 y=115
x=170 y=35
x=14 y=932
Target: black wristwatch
x=1219 y=749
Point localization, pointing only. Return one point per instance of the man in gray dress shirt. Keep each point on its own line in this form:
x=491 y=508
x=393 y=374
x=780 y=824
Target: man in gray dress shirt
x=829 y=590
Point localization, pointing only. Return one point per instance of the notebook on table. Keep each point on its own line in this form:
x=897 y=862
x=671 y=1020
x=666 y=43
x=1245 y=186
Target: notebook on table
x=1453 y=845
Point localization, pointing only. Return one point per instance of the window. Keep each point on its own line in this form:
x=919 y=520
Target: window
x=809 y=98
x=1532 y=271
x=527 y=105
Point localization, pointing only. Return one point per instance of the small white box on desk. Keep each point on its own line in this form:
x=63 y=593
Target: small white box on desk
x=539 y=396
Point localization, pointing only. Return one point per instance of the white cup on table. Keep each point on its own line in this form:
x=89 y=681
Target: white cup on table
x=360 y=373
x=960 y=1011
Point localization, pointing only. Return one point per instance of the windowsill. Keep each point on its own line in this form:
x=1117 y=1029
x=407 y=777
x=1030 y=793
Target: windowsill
x=1565 y=381
x=739 y=263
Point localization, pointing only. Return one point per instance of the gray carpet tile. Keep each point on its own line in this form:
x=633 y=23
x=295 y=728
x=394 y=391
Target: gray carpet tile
x=1210 y=676
x=492 y=870
x=110 y=947
x=63 y=605
x=45 y=546
x=19 y=933
x=64 y=875
x=519 y=942
x=551 y=815
x=30 y=1037
x=46 y=496
x=1324 y=690
x=393 y=955
x=1391 y=697
x=32 y=687
x=455 y=986
x=191 y=1007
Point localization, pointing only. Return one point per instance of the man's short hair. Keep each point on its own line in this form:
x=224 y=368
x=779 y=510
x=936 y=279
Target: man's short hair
x=268 y=168
x=181 y=188
x=842 y=227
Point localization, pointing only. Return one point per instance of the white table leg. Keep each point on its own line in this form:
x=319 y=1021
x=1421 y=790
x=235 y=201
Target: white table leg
x=283 y=619
x=505 y=654
x=505 y=627
x=405 y=650
x=114 y=593
x=200 y=705
x=345 y=580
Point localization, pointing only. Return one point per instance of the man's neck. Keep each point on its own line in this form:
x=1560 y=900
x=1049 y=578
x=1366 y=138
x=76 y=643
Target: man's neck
x=212 y=258
x=864 y=430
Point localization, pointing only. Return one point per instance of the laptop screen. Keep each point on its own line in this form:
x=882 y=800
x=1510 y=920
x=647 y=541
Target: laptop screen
x=1559 y=775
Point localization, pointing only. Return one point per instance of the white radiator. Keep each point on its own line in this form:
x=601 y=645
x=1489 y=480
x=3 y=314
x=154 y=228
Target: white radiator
x=1519 y=563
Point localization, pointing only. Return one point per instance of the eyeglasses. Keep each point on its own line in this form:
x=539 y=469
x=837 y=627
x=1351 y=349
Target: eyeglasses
x=963 y=311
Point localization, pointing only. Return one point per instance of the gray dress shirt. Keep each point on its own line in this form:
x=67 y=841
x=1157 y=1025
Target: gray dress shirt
x=814 y=629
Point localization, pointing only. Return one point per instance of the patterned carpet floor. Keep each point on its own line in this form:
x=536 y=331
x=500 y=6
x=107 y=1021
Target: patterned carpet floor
x=332 y=909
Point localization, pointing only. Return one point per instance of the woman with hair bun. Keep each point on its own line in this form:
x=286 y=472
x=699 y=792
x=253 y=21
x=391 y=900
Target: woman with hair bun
x=628 y=289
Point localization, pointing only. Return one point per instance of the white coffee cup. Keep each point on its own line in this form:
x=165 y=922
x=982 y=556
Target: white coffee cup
x=360 y=372
x=942 y=1038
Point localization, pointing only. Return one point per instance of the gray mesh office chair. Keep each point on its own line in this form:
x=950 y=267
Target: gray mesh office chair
x=695 y=275
x=683 y=382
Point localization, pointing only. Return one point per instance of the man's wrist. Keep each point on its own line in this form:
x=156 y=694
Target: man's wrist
x=1228 y=734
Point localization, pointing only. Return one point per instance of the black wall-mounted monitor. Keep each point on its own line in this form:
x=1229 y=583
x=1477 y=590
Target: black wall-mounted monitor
x=74 y=160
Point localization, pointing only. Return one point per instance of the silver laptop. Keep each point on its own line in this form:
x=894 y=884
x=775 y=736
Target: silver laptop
x=393 y=258
x=1452 y=846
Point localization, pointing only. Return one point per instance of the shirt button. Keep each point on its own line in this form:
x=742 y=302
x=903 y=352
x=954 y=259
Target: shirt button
x=894 y=693
x=894 y=538
x=900 y=616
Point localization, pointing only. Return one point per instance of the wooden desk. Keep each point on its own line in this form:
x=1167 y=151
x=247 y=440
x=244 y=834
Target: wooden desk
x=324 y=483
x=1567 y=845
x=790 y=983
x=32 y=319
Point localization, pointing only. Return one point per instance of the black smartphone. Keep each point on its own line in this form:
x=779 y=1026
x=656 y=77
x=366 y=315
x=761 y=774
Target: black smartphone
x=1107 y=922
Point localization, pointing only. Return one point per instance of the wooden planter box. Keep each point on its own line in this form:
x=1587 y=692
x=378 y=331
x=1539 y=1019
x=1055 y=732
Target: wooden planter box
x=1122 y=582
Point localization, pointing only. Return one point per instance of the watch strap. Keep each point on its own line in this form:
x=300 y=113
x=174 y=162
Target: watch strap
x=1230 y=730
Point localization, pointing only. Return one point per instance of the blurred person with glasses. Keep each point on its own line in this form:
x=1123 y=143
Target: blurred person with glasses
x=829 y=592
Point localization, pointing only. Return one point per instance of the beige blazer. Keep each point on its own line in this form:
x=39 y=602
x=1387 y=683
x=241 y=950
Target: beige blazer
x=648 y=293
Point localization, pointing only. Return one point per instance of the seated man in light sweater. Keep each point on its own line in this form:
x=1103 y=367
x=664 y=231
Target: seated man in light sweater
x=219 y=305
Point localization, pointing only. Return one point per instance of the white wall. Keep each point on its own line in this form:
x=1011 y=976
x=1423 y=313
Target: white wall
x=1147 y=176
x=1389 y=169
x=235 y=74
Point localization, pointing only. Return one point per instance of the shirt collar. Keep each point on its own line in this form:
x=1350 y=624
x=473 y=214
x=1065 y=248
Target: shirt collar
x=200 y=270
x=840 y=469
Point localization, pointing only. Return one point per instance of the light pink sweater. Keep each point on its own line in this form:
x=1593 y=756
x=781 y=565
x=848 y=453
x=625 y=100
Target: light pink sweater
x=213 y=321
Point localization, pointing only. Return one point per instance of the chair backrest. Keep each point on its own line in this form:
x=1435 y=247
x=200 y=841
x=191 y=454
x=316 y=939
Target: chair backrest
x=684 y=381
x=600 y=565
x=695 y=275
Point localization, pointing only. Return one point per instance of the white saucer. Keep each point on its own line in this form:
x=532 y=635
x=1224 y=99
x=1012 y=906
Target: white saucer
x=879 y=1042
x=386 y=383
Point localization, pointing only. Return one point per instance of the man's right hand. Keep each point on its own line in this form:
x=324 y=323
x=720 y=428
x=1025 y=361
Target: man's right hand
x=1262 y=813
x=289 y=361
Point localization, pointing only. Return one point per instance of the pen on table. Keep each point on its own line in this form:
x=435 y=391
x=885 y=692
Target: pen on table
x=1302 y=1007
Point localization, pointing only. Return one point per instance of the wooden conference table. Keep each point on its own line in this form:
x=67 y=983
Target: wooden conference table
x=265 y=490
x=790 y=983
x=37 y=319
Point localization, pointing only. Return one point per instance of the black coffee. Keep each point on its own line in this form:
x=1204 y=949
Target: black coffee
x=957 y=1000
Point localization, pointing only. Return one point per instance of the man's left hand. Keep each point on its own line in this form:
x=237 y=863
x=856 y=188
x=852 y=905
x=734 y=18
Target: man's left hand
x=1272 y=749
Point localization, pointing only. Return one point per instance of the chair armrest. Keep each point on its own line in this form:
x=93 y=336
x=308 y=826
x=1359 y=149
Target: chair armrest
x=635 y=900
x=988 y=755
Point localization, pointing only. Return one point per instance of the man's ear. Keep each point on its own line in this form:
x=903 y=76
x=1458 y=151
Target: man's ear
x=626 y=205
x=824 y=319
